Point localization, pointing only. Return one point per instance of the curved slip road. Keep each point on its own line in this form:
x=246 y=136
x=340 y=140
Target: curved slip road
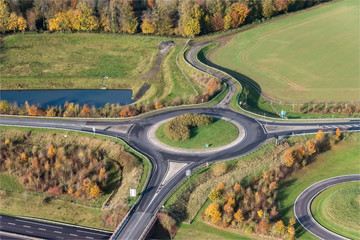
x=302 y=206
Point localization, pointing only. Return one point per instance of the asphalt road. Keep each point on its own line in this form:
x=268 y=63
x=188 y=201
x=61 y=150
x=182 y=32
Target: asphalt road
x=155 y=193
x=45 y=230
x=302 y=206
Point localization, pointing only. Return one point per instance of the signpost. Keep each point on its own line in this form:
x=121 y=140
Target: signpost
x=283 y=113
x=207 y=145
x=132 y=192
x=94 y=129
x=188 y=173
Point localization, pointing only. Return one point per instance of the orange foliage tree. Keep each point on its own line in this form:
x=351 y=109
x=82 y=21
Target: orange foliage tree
x=33 y=110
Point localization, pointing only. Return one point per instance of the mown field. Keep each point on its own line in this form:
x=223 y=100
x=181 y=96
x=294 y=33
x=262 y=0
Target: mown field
x=310 y=56
x=81 y=60
x=224 y=131
x=337 y=207
x=20 y=198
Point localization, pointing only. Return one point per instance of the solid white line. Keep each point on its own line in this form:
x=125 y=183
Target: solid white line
x=92 y=233
x=26 y=226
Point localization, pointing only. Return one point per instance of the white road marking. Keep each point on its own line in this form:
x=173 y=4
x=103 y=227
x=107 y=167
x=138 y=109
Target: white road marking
x=26 y=226
x=75 y=235
x=92 y=233
x=42 y=229
x=60 y=237
x=57 y=232
x=89 y=237
x=41 y=224
x=28 y=231
x=11 y=223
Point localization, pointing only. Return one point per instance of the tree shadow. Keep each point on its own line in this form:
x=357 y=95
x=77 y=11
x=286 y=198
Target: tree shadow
x=253 y=99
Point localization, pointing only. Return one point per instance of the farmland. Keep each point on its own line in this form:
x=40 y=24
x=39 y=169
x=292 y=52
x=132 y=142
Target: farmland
x=305 y=57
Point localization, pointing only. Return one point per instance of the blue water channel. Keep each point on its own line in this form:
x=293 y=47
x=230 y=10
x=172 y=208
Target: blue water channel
x=45 y=98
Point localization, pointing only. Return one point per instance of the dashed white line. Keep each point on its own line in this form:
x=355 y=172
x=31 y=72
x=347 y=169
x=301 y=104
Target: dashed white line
x=60 y=237
x=57 y=232
x=92 y=233
x=75 y=235
x=28 y=231
x=89 y=237
x=26 y=226
x=42 y=229
x=11 y=223
x=41 y=224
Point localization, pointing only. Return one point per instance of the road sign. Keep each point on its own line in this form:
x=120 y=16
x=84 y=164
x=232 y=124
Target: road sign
x=94 y=129
x=132 y=192
x=188 y=172
x=207 y=145
x=283 y=113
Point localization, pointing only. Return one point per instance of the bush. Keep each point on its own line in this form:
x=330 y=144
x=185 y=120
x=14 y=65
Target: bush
x=178 y=128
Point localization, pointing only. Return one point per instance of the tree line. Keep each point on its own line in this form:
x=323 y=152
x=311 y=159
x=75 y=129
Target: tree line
x=161 y=17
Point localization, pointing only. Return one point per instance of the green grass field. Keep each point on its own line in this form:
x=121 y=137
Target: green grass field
x=218 y=133
x=310 y=56
x=342 y=159
x=337 y=209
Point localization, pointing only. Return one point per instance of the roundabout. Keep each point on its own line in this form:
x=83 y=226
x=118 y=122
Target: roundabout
x=230 y=132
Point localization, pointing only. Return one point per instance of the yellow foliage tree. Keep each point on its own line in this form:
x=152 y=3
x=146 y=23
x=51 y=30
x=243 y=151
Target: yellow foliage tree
x=311 y=147
x=12 y=22
x=51 y=152
x=288 y=157
x=4 y=16
x=21 y=24
x=319 y=136
x=260 y=213
x=338 y=134
x=215 y=195
x=95 y=191
x=213 y=211
x=147 y=26
x=280 y=227
x=239 y=216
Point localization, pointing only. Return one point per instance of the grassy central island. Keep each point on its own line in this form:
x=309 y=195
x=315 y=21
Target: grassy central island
x=218 y=133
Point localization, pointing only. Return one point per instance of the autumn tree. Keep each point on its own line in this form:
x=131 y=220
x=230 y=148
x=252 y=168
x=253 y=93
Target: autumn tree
x=280 y=227
x=21 y=24
x=311 y=147
x=213 y=211
x=148 y=26
x=33 y=110
x=168 y=223
x=239 y=13
x=4 y=16
x=87 y=21
x=85 y=111
x=51 y=152
x=95 y=191
x=280 y=5
x=215 y=195
x=338 y=134
x=219 y=169
x=239 y=216
x=268 y=8
x=190 y=17
x=12 y=23
x=288 y=157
